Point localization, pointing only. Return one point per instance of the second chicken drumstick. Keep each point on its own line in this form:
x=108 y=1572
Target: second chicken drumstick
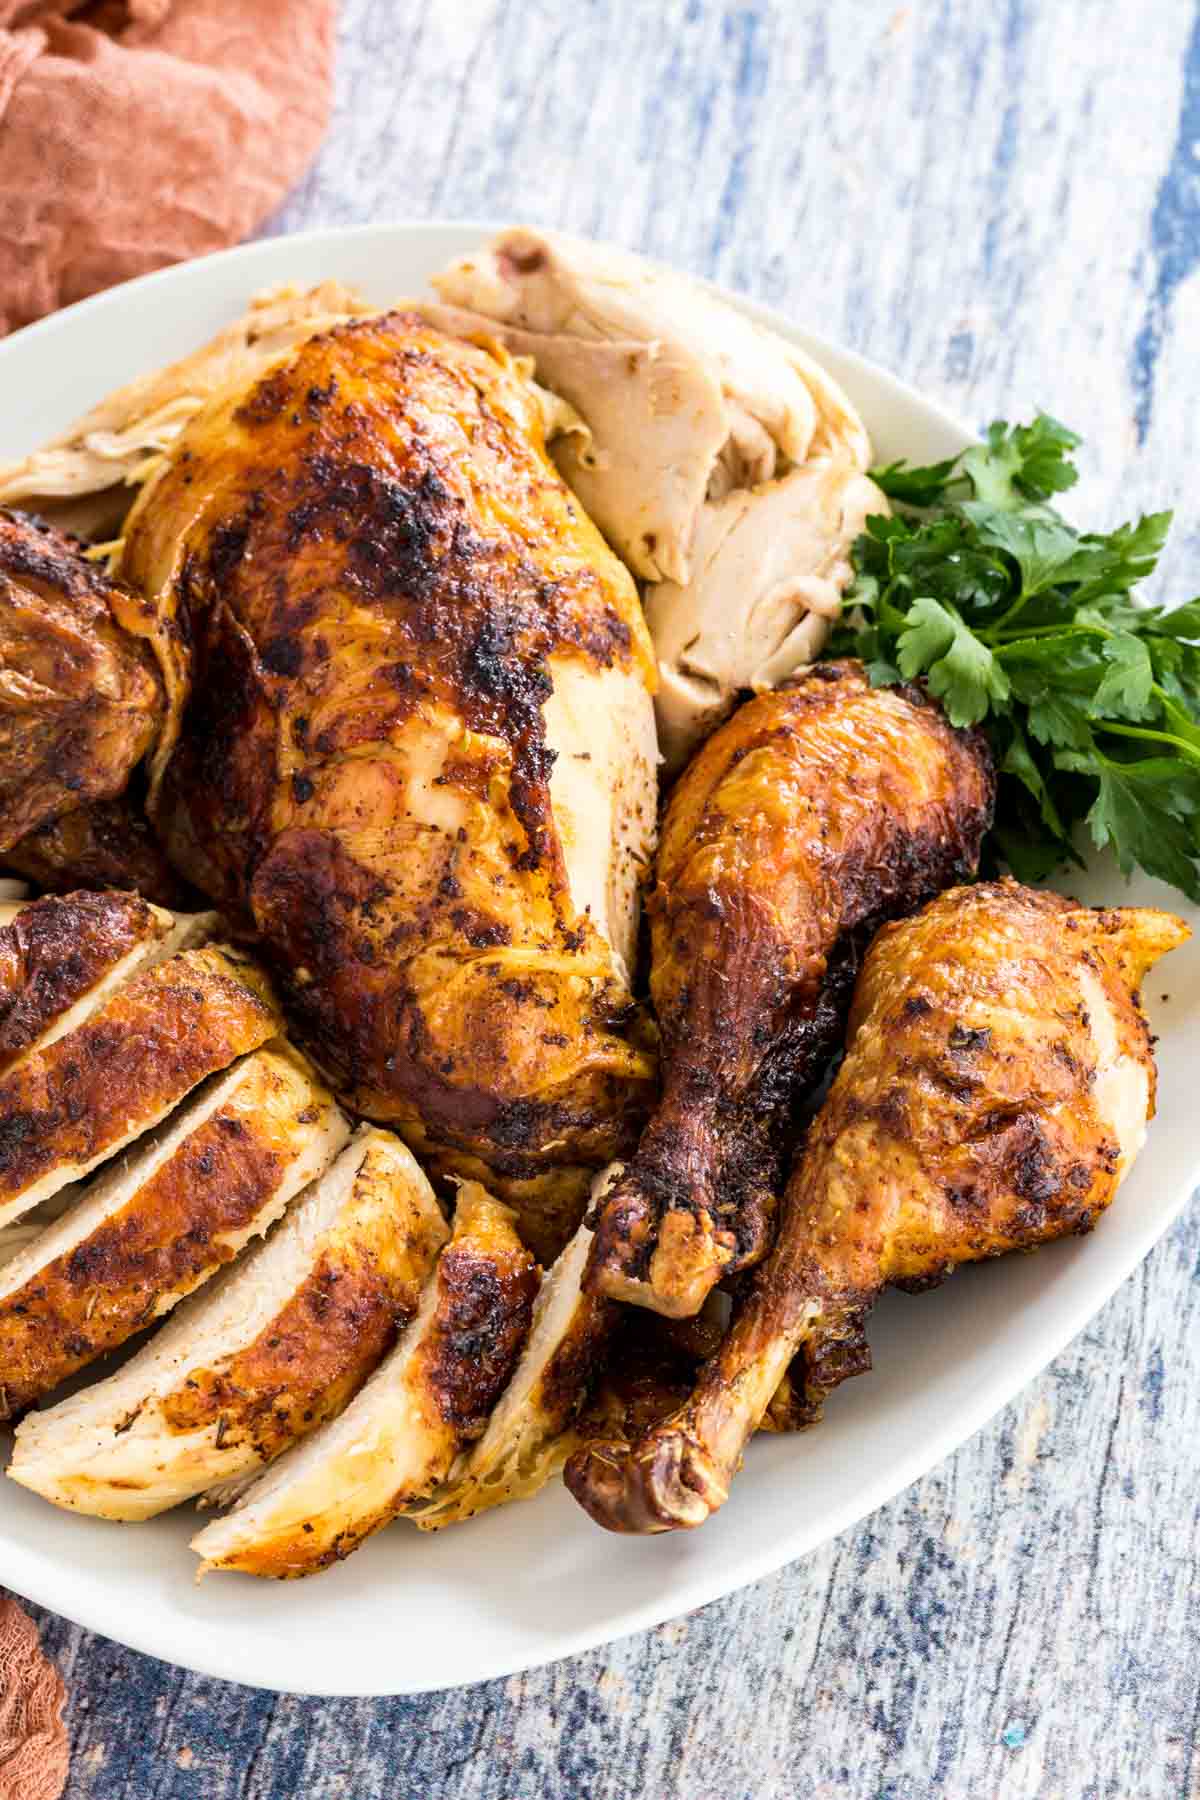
x=816 y=813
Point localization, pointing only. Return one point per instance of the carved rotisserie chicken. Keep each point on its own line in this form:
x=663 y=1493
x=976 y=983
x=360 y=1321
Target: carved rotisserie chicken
x=418 y=756
x=366 y=676
x=814 y=814
x=997 y=1085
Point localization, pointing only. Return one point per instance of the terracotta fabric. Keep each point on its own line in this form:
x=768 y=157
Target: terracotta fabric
x=33 y=1738
x=135 y=133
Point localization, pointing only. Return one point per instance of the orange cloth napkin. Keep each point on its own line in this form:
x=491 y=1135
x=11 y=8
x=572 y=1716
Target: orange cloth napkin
x=135 y=133
x=33 y=1738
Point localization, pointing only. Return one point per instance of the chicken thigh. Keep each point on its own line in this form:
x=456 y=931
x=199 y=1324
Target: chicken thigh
x=814 y=814
x=418 y=755
x=997 y=1085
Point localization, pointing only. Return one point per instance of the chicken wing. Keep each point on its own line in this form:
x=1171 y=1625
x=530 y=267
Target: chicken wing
x=997 y=1085
x=419 y=754
x=399 y=1438
x=261 y=1357
x=726 y=466
x=814 y=814
x=155 y=1225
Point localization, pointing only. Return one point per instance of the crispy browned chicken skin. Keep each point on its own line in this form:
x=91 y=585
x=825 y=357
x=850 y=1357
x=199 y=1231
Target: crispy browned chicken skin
x=997 y=1084
x=418 y=756
x=107 y=844
x=817 y=812
x=80 y=696
x=54 y=952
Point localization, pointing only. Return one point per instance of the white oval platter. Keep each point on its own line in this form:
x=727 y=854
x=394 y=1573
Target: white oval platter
x=526 y=1584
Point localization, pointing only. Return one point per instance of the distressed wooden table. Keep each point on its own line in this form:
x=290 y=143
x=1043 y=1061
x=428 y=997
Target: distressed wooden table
x=1001 y=201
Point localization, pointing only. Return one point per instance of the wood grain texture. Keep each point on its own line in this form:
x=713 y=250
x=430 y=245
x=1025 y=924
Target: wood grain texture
x=1001 y=201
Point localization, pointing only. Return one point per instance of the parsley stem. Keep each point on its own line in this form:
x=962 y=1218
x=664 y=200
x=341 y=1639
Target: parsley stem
x=1178 y=744
x=1019 y=604
x=1017 y=638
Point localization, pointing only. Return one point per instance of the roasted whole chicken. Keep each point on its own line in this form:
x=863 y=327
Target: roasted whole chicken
x=402 y=724
x=817 y=812
x=997 y=1085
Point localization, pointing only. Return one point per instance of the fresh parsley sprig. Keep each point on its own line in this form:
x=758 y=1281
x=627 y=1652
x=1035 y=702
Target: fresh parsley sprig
x=1020 y=623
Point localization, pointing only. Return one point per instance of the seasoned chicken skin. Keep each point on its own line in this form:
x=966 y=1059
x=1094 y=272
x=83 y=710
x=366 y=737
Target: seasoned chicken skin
x=259 y=1358
x=398 y=1439
x=156 y=1224
x=814 y=814
x=62 y=956
x=997 y=1085
x=78 y=1099
x=418 y=757
x=726 y=466
x=106 y=844
x=80 y=696
x=529 y=1435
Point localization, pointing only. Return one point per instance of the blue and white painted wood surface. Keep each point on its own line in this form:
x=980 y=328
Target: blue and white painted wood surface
x=1001 y=200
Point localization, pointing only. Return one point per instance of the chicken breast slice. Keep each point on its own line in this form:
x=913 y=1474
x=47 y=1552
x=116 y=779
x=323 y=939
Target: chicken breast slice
x=604 y=794
x=529 y=1435
x=261 y=1357
x=399 y=1438
x=70 y=1105
x=158 y=1223
x=63 y=956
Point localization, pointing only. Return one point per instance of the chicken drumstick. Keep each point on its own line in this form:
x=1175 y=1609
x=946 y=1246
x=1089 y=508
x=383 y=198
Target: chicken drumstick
x=817 y=812
x=996 y=1089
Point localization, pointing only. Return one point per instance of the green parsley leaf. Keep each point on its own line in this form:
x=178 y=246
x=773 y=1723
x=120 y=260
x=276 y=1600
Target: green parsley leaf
x=1144 y=811
x=1128 y=683
x=918 y=487
x=1181 y=622
x=1033 y=630
x=1024 y=463
x=960 y=670
x=1040 y=547
x=1114 y=564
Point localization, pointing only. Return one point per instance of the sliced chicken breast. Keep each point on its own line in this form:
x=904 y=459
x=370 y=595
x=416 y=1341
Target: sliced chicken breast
x=71 y=1104
x=258 y=1359
x=725 y=465
x=529 y=1435
x=399 y=1438
x=769 y=567
x=160 y=1221
x=684 y=396
x=63 y=956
